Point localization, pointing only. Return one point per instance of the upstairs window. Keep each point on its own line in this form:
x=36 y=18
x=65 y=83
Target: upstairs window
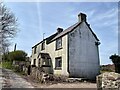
x=43 y=46
x=35 y=49
x=59 y=43
x=58 y=63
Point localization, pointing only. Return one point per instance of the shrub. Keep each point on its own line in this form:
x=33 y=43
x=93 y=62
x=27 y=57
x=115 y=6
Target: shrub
x=7 y=65
x=116 y=60
x=18 y=55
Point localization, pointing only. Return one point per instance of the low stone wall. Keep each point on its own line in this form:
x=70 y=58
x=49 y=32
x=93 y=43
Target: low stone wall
x=108 y=80
x=40 y=75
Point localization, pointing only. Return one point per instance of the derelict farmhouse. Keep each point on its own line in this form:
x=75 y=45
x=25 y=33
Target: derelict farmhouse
x=71 y=52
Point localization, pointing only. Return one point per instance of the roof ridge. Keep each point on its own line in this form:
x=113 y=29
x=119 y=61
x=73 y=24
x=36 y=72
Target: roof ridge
x=69 y=29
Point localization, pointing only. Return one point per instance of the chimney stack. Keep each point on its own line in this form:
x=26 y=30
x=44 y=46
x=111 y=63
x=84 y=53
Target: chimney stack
x=59 y=30
x=82 y=17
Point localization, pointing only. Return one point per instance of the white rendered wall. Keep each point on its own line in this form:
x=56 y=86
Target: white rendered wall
x=51 y=49
x=83 y=53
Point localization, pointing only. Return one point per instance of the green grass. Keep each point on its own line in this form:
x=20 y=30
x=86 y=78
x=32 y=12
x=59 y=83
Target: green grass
x=0 y=64
x=7 y=65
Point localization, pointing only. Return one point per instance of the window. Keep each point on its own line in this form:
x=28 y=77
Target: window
x=43 y=46
x=34 y=62
x=35 y=49
x=39 y=63
x=59 y=43
x=58 y=63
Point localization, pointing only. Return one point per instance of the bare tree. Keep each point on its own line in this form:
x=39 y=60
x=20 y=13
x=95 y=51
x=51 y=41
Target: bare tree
x=8 y=27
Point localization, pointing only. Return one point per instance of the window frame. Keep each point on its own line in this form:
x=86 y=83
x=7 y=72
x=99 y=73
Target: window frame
x=34 y=62
x=57 y=41
x=57 y=66
x=43 y=45
x=35 y=49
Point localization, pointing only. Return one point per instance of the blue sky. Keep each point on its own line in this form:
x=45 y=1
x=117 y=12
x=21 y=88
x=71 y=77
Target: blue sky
x=37 y=18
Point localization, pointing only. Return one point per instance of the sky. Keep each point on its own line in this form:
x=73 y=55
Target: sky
x=36 y=18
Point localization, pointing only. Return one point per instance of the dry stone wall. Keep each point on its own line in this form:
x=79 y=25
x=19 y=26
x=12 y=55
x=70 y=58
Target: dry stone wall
x=108 y=80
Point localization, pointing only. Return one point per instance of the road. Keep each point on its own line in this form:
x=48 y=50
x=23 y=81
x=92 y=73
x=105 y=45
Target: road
x=8 y=79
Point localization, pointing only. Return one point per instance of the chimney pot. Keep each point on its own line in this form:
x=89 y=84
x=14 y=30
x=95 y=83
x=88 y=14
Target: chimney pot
x=82 y=17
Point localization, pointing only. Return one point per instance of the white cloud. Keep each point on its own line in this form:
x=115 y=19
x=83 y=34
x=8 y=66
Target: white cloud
x=91 y=13
x=104 y=16
x=39 y=18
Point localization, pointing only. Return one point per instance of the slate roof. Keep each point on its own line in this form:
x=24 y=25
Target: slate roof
x=66 y=31
x=48 y=40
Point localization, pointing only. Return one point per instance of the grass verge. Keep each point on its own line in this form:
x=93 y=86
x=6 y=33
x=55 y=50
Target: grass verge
x=7 y=65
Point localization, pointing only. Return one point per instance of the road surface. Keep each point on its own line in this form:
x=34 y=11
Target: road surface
x=8 y=79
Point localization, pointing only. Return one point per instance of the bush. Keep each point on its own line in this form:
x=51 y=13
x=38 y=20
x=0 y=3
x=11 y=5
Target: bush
x=116 y=60
x=7 y=65
x=5 y=57
x=18 y=55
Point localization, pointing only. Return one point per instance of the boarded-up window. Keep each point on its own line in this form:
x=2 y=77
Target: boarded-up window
x=58 y=63
x=59 y=43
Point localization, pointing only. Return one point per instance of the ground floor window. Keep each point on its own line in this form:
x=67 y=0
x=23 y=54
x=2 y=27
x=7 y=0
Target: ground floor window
x=34 y=62
x=39 y=63
x=58 y=63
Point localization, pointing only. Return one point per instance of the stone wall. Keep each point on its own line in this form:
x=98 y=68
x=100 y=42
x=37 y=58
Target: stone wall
x=108 y=80
x=39 y=74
